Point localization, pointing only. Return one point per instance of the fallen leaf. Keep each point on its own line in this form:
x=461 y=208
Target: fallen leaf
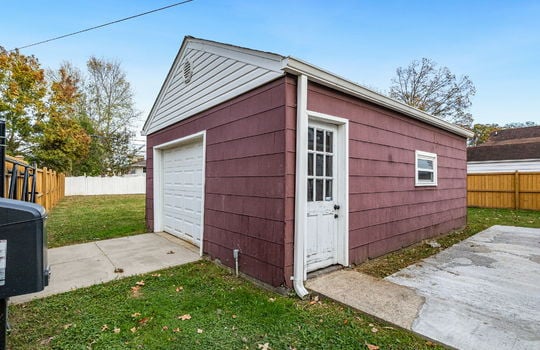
x=104 y=328
x=170 y=252
x=372 y=347
x=430 y=343
x=164 y=328
x=46 y=341
x=272 y=300
x=140 y=283
x=156 y=275
x=144 y=320
x=265 y=346
x=66 y=326
x=233 y=316
x=371 y=324
x=118 y=270
x=176 y=330
x=199 y=330
x=387 y=327
x=179 y=289
x=133 y=330
x=136 y=291
x=374 y=330
x=116 y=330
x=136 y=314
x=345 y=321
x=185 y=317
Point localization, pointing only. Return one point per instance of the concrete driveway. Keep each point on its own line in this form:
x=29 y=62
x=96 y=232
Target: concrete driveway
x=83 y=265
x=482 y=293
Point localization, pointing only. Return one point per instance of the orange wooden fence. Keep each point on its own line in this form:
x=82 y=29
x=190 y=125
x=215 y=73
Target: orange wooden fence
x=50 y=185
x=517 y=190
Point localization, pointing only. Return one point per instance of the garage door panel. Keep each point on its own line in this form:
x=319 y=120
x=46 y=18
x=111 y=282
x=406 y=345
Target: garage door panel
x=183 y=190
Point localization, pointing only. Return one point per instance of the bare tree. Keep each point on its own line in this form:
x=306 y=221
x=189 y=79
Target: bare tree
x=434 y=90
x=110 y=106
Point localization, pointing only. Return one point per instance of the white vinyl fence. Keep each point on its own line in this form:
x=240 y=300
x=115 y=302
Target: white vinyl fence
x=90 y=186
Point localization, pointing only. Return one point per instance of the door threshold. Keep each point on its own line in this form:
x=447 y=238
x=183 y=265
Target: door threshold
x=324 y=271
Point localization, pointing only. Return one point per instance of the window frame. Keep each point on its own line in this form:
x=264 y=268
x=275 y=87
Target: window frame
x=422 y=155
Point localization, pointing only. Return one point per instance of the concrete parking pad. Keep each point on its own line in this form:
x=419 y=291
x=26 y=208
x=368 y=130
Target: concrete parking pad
x=483 y=293
x=86 y=264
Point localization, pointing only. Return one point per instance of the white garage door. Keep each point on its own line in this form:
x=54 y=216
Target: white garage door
x=183 y=191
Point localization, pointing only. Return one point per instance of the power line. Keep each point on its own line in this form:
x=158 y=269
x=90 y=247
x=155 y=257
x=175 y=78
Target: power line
x=102 y=25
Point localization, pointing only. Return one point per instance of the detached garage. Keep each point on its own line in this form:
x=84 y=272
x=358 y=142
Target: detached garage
x=295 y=167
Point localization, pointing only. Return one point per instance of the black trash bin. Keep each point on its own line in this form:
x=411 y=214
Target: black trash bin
x=23 y=248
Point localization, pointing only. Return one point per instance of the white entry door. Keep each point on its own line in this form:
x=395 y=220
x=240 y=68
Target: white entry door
x=322 y=207
x=183 y=191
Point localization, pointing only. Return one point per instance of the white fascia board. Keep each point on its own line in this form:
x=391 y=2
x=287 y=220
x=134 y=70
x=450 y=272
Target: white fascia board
x=267 y=60
x=504 y=161
x=318 y=75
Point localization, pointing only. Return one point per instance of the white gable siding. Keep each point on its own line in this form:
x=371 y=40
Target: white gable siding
x=503 y=166
x=216 y=78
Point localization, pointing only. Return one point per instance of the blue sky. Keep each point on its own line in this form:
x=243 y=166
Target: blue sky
x=495 y=43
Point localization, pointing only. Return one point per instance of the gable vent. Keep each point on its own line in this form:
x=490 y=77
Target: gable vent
x=187 y=71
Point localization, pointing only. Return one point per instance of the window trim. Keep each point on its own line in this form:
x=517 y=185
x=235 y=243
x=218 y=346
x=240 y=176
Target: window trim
x=426 y=156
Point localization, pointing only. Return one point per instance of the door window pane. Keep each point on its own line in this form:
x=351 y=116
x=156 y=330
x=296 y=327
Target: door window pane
x=310 y=163
x=319 y=165
x=319 y=190
x=320 y=140
x=329 y=141
x=328 y=196
x=329 y=166
x=310 y=138
x=310 y=190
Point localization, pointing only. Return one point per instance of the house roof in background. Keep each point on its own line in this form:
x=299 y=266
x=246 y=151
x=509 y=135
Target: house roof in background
x=508 y=144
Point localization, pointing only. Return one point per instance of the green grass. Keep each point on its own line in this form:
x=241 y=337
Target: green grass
x=226 y=313
x=82 y=219
x=479 y=219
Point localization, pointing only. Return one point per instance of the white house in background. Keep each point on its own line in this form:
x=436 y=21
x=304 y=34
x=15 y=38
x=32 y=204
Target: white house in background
x=506 y=151
x=138 y=168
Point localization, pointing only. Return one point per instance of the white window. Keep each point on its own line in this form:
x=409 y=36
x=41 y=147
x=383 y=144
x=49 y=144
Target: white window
x=426 y=169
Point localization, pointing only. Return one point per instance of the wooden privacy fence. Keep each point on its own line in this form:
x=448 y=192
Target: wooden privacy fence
x=25 y=182
x=517 y=190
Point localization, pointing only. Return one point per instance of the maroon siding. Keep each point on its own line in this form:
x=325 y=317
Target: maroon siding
x=247 y=202
x=386 y=210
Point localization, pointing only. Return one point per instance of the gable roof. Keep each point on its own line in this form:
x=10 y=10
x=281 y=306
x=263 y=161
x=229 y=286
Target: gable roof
x=508 y=144
x=241 y=69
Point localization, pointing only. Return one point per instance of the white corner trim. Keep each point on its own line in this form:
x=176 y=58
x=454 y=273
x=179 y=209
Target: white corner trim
x=429 y=156
x=342 y=178
x=298 y=67
x=158 y=179
x=300 y=222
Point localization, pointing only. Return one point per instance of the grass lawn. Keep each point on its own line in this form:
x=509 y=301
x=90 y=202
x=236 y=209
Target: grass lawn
x=80 y=219
x=195 y=306
x=479 y=219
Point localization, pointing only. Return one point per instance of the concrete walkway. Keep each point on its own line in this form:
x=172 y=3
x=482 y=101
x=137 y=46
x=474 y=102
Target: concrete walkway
x=86 y=264
x=482 y=293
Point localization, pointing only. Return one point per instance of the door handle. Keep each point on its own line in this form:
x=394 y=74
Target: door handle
x=336 y=207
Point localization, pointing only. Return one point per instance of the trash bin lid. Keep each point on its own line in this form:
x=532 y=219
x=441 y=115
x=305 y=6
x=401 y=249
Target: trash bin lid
x=15 y=211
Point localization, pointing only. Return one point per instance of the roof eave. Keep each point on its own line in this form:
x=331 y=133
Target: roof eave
x=318 y=75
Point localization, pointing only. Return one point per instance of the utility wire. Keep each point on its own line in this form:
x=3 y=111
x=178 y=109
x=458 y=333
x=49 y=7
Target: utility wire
x=102 y=25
